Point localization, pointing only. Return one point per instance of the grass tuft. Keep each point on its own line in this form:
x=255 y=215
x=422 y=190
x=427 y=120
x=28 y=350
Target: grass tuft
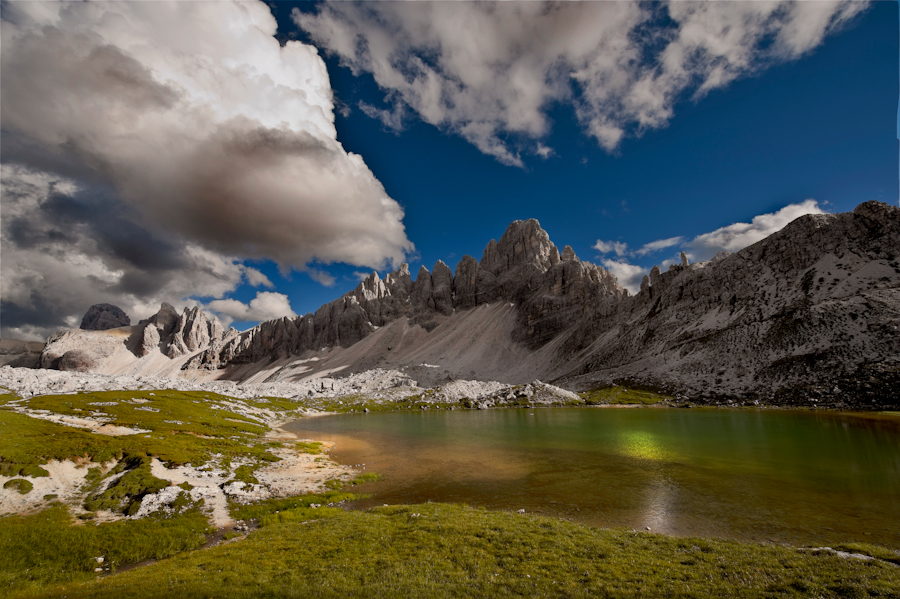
x=313 y=447
x=19 y=484
x=124 y=495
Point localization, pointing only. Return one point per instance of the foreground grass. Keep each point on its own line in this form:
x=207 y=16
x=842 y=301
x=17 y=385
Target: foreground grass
x=438 y=550
x=49 y=548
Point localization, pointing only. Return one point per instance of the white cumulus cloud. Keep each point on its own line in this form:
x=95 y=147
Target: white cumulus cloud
x=161 y=143
x=490 y=71
x=59 y=258
x=731 y=238
x=628 y=275
x=202 y=122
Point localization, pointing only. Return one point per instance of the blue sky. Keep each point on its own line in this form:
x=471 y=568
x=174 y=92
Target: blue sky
x=820 y=127
x=818 y=123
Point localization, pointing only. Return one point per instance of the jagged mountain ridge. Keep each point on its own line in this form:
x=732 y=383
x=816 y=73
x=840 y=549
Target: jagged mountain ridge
x=808 y=315
x=523 y=268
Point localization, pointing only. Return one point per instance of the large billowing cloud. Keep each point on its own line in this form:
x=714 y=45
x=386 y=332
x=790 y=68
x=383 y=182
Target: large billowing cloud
x=148 y=146
x=731 y=238
x=67 y=246
x=490 y=71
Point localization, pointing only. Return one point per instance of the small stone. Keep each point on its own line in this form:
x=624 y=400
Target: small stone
x=647 y=528
x=522 y=511
x=99 y=560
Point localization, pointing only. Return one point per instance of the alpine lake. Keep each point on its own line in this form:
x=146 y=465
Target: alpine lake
x=795 y=477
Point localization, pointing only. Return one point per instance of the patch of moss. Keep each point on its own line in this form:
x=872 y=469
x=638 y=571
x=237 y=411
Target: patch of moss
x=33 y=470
x=19 y=484
x=50 y=497
x=366 y=477
x=185 y=427
x=245 y=475
x=184 y=502
x=622 y=396
x=272 y=507
x=313 y=447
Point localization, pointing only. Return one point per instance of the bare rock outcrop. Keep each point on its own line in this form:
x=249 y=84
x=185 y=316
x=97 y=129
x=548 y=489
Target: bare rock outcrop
x=149 y=340
x=79 y=350
x=102 y=317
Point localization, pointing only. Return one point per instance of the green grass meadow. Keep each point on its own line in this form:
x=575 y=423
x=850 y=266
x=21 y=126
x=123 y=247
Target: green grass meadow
x=441 y=550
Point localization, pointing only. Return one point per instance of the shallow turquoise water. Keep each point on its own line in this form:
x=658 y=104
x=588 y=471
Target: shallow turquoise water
x=768 y=475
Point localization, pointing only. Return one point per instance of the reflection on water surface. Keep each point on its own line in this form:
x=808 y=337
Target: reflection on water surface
x=795 y=477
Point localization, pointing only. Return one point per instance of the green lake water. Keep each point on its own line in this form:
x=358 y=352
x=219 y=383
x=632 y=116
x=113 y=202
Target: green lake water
x=768 y=475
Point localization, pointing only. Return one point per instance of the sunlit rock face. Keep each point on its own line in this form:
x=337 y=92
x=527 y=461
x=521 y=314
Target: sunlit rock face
x=810 y=315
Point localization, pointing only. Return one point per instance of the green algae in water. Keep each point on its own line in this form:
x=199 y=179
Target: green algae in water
x=764 y=475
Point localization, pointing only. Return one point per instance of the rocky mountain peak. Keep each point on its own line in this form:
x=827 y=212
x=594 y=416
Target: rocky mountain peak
x=102 y=317
x=524 y=243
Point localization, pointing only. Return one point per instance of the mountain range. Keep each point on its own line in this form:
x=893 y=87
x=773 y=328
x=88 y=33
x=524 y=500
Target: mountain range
x=807 y=316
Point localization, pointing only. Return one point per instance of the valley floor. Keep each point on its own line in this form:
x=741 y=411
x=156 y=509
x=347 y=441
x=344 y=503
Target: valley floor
x=97 y=474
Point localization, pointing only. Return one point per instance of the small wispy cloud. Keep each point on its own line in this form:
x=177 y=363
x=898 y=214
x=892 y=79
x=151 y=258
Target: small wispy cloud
x=321 y=277
x=393 y=120
x=659 y=244
x=608 y=247
x=256 y=278
x=544 y=151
